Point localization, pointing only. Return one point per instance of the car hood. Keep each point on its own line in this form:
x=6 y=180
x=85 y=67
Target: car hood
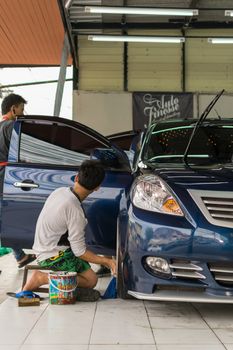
x=217 y=177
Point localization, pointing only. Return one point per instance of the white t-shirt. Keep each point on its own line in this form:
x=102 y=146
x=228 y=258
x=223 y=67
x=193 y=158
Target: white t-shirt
x=62 y=212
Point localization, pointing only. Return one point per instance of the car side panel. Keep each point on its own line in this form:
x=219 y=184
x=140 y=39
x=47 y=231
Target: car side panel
x=20 y=208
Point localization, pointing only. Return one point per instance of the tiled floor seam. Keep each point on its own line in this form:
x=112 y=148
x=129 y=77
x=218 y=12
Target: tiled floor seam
x=150 y=325
x=212 y=330
x=42 y=313
x=92 y=326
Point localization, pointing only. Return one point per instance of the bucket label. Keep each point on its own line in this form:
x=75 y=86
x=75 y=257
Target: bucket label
x=62 y=288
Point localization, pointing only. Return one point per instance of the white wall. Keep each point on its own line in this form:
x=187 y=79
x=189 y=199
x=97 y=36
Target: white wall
x=223 y=107
x=111 y=112
x=151 y=67
x=107 y=113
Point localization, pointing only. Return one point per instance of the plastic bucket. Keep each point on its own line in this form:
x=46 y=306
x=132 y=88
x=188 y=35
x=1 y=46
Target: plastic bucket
x=62 y=287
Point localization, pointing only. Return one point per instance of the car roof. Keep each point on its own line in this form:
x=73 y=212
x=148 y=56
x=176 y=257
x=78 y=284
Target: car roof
x=73 y=123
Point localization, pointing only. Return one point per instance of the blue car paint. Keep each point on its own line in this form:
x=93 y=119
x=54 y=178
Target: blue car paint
x=148 y=239
x=101 y=207
x=190 y=237
x=20 y=208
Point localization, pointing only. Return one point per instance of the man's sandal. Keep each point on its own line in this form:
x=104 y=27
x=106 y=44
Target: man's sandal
x=24 y=294
x=30 y=258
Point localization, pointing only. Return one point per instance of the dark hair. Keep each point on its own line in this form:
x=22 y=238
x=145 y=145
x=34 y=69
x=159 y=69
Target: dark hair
x=10 y=101
x=91 y=174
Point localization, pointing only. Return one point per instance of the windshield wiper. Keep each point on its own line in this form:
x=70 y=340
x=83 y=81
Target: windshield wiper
x=198 y=123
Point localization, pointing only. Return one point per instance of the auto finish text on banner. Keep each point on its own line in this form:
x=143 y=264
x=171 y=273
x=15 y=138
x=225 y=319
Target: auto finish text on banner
x=152 y=106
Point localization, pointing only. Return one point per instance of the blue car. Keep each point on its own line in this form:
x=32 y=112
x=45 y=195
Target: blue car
x=175 y=237
x=167 y=215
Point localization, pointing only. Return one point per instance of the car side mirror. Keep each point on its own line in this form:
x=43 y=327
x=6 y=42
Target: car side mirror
x=137 y=142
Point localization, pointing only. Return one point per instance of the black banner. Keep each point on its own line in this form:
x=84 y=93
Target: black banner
x=149 y=107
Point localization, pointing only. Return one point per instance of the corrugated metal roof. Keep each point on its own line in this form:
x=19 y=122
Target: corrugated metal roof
x=31 y=32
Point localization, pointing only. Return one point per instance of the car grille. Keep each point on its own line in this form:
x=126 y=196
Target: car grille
x=219 y=208
x=190 y=270
x=222 y=273
x=216 y=206
x=186 y=269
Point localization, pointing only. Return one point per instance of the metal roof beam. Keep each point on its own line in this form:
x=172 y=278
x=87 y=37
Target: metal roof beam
x=76 y=27
x=68 y=29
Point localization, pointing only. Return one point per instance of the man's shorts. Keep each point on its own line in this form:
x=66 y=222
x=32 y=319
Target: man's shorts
x=66 y=261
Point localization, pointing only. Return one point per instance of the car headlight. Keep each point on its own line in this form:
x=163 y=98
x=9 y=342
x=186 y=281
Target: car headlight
x=150 y=193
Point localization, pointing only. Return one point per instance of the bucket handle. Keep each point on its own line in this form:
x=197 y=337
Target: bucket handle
x=62 y=290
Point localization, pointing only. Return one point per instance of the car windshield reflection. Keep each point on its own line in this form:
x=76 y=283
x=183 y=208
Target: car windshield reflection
x=212 y=144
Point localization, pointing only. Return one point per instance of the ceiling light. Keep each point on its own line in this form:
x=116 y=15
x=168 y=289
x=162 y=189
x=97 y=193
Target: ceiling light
x=229 y=13
x=141 y=11
x=220 y=40
x=137 y=39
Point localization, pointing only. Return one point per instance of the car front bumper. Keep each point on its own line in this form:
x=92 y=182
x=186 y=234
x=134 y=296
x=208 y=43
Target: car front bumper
x=200 y=260
x=191 y=297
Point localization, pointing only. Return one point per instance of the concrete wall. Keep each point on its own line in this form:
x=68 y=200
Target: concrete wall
x=223 y=107
x=111 y=112
x=107 y=112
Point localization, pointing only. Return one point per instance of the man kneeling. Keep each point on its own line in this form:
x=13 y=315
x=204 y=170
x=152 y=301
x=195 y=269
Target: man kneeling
x=63 y=213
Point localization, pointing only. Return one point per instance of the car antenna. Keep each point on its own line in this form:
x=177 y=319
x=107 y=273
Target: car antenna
x=198 y=123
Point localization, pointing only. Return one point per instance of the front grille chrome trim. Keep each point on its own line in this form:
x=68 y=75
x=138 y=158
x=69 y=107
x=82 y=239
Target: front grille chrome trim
x=219 y=208
x=222 y=269
x=214 y=205
x=186 y=269
x=190 y=275
x=223 y=278
x=184 y=266
x=222 y=273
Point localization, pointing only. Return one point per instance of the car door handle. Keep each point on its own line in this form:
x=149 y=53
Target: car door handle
x=25 y=185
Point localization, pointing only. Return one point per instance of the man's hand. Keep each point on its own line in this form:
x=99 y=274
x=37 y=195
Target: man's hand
x=100 y=260
x=111 y=264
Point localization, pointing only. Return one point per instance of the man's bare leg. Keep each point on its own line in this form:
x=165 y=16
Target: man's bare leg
x=36 y=280
x=87 y=279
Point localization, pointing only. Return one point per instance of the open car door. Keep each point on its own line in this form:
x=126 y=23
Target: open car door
x=45 y=153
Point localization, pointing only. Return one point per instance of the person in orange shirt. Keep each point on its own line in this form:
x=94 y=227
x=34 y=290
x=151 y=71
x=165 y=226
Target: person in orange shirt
x=12 y=106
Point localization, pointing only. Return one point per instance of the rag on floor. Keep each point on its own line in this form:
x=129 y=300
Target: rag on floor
x=111 y=290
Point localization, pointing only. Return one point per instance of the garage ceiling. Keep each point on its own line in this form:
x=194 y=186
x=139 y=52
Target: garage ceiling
x=211 y=15
x=32 y=31
x=137 y=66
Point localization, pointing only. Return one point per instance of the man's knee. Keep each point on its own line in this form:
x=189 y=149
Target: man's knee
x=92 y=281
x=87 y=279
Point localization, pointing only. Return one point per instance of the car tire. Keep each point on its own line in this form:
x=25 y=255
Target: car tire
x=121 y=290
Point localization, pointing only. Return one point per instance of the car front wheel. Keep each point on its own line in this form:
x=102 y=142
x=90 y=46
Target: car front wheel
x=121 y=289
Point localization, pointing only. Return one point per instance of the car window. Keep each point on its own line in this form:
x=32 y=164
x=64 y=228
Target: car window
x=54 y=143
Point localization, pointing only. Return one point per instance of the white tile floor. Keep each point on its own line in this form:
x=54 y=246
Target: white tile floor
x=109 y=324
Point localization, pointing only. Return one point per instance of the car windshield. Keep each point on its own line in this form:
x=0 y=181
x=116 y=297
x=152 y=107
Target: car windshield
x=213 y=143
